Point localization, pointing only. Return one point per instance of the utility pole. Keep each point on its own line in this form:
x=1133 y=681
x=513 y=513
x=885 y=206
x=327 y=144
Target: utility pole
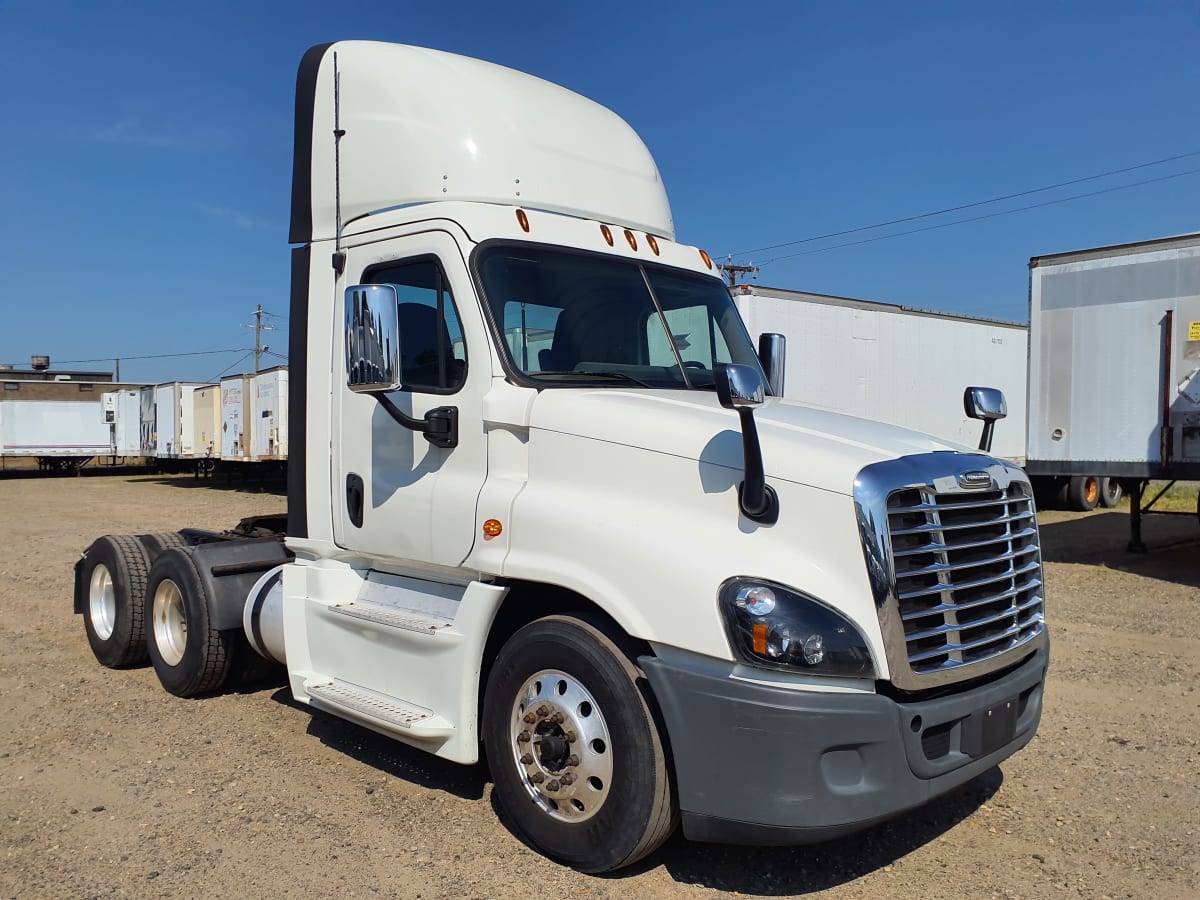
x=258 y=339
x=732 y=271
x=118 y=361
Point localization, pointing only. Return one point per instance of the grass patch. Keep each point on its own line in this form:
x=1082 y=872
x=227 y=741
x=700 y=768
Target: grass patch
x=1180 y=497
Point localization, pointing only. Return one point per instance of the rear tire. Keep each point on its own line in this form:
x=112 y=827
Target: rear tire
x=188 y=655
x=114 y=573
x=1111 y=492
x=159 y=543
x=1083 y=492
x=597 y=802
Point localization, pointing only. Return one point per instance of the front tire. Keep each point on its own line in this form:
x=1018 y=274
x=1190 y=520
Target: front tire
x=114 y=572
x=574 y=747
x=189 y=656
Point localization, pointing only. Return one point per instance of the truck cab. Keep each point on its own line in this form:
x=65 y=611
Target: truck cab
x=543 y=506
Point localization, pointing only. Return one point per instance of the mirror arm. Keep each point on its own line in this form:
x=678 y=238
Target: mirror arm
x=985 y=440
x=440 y=425
x=757 y=499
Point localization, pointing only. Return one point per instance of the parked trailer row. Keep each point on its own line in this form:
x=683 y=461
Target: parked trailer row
x=177 y=425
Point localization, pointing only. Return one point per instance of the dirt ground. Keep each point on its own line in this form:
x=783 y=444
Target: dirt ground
x=112 y=787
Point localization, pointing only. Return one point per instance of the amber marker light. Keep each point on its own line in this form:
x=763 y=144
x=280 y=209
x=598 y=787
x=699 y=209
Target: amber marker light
x=630 y=239
x=707 y=259
x=758 y=631
x=653 y=243
x=492 y=528
x=523 y=220
x=607 y=232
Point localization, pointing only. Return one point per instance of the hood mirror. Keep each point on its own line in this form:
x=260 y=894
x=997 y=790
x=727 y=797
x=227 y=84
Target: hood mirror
x=740 y=388
x=987 y=404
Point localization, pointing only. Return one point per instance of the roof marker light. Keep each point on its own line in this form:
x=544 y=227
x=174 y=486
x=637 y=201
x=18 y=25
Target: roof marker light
x=523 y=220
x=607 y=232
x=707 y=259
x=630 y=239
x=653 y=243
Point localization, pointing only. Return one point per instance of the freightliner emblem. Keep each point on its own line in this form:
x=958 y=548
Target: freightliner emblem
x=974 y=481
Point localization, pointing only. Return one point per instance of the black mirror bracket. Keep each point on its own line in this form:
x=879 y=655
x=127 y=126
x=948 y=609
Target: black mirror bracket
x=440 y=425
x=757 y=499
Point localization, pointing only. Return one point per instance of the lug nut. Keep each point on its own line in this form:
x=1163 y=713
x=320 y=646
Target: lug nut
x=553 y=785
x=568 y=778
x=529 y=717
x=543 y=711
x=570 y=737
x=557 y=718
x=527 y=759
x=523 y=737
x=537 y=777
x=572 y=760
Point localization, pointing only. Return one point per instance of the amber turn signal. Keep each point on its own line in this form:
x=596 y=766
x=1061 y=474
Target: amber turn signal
x=492 y=528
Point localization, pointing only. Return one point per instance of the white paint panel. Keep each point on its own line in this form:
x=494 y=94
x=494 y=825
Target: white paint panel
x=53 y=428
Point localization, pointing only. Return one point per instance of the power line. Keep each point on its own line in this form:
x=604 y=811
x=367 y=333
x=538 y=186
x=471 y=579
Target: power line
x=72 y=362
x=240 y=360
x=1003 y=212
x=950 y=209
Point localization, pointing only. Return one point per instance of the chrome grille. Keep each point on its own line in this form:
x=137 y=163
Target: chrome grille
x=966 y=570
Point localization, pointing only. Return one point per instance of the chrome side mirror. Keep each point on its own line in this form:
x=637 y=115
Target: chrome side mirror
x=738 y=387
x=987 y=404
x=772 y=354
x=372 y=338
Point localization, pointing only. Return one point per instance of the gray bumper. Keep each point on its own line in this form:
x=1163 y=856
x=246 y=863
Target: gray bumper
x=766 y=765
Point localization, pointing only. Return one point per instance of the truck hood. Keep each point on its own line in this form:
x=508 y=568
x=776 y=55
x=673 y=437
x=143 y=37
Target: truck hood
x=801 y=444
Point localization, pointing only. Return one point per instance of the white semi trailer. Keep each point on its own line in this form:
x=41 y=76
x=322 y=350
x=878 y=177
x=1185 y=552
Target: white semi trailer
x=647 y=592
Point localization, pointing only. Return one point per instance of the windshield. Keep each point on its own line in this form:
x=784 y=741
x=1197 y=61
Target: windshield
x=569 y=319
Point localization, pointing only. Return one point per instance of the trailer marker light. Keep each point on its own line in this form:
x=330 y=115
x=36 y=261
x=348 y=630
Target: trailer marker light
x=492 y=528
x=707 y=259
x=523 y=220
x=630 y=239
x=607 y=232
x=653 y=243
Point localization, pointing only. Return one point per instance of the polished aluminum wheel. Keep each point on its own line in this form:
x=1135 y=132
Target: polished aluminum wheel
x=102 y=602
x=561 y=746
x=170 y=622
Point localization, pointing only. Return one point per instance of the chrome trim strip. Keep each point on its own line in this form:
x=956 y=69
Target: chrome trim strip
x=937 y=474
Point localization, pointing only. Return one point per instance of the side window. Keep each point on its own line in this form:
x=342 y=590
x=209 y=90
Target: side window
x=433 y=354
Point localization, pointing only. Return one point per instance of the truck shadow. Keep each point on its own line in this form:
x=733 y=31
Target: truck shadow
x=783 y=871
x=1101 y=539
x=388 y=756
x=248 y=486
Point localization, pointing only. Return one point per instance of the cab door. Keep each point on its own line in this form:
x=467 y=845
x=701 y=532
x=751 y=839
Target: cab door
x=397 y=496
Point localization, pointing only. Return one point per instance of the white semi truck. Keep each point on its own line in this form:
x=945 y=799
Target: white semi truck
x=525 y=520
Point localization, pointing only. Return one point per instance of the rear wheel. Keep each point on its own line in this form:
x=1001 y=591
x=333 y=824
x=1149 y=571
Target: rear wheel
x=188 y=655
x=114 y=572
x=1083 y=492
x=1111 y=492
x=574 y=747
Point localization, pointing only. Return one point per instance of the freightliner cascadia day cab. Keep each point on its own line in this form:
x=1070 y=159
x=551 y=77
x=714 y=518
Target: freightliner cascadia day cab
x=543 y=506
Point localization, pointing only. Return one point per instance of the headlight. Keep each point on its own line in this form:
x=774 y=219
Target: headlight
x=772 y=626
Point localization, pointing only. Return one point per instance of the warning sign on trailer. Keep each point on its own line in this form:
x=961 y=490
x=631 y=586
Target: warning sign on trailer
x=1194 y=331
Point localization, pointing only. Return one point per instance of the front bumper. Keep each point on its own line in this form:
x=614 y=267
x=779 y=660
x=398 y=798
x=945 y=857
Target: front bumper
x=767 y=765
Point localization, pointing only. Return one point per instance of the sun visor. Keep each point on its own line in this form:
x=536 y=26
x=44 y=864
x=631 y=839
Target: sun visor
x=420 y=126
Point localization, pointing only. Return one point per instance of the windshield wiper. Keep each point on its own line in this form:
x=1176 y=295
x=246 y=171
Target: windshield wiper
x=612 y=376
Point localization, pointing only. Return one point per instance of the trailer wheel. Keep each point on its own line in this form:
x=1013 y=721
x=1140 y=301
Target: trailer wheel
x=574 y=747
x=1083 y=493
x=1111 y=492
x=114 y=573
x=188 y=655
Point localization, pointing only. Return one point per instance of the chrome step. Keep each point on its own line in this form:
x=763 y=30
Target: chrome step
x=387 y=615
x=341 y=696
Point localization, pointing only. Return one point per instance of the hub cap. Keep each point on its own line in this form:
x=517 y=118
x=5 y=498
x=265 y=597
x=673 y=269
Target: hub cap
x=102 y=602
x=561 y=746
x=170 y=623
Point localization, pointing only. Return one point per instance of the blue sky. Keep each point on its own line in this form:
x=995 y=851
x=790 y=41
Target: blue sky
x=145 y=165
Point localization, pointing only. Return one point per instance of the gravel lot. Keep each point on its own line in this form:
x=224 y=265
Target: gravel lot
x=114 y=788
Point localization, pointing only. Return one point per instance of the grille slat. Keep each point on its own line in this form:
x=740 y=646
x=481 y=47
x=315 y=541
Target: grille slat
x=983 y=523
x=967 y=573
x=965 y=545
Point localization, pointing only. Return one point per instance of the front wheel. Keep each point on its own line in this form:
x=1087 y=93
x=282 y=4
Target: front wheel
x=574 y=747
